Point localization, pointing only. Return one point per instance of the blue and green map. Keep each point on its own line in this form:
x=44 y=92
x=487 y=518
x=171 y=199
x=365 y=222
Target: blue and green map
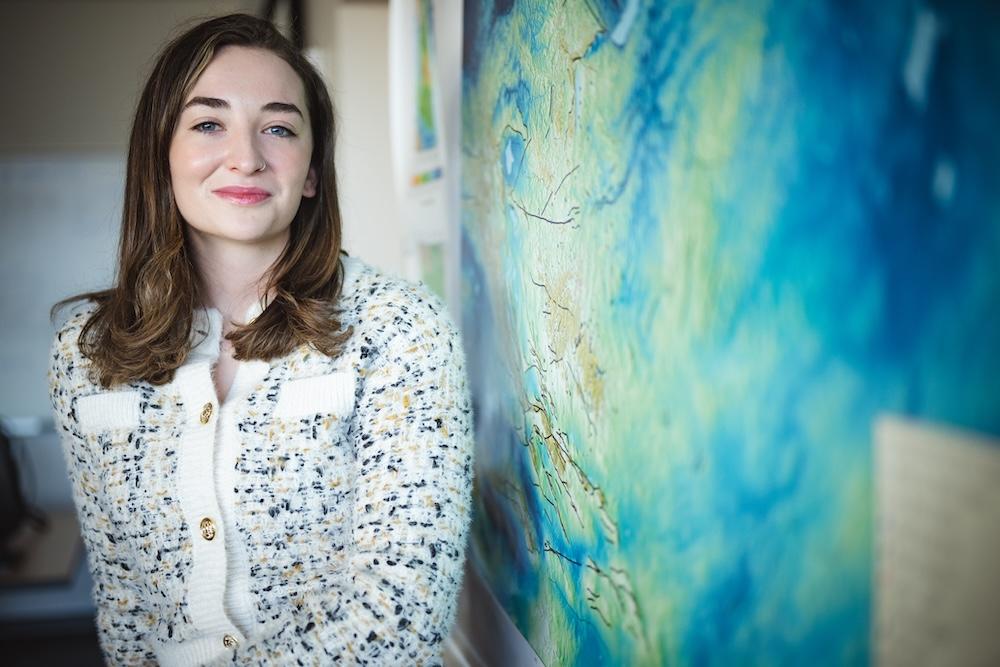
x=704 y=246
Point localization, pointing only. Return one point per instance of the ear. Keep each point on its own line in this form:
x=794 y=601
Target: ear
x=309 y=188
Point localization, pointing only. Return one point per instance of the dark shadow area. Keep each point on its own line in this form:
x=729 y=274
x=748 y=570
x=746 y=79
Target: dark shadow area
x=53 y=643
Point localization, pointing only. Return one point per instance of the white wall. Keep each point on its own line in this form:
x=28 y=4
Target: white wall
x=59 y=225
x=353 y=37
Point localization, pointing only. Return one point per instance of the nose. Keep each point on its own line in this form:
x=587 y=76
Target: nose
x=245 y=154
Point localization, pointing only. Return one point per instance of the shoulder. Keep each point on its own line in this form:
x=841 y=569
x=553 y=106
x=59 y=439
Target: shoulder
x=387 y=308
x=66 y=362
x=72 y=325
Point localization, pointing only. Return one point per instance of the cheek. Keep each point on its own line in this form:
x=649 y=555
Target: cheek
x=189 y=164
x=291 y=157
x=291 y=160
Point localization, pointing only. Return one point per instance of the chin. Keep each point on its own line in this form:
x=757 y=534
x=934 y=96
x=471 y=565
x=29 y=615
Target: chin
x=243 y=233
x=253 y=237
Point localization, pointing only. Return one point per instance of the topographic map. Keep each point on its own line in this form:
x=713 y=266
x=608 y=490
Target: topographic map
x=704 y=246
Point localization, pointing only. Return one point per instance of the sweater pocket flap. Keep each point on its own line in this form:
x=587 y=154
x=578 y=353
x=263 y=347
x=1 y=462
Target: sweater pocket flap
x=109 y=410
x=331 y=393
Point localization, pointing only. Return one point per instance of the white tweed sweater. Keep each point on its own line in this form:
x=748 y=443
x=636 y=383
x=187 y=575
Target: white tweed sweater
x=351 y=494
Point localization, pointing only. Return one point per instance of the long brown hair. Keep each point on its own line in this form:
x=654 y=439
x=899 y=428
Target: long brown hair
x=141 y=327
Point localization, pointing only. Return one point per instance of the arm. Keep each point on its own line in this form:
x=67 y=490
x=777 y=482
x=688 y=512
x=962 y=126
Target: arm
x=120 y=618
x=395 y=602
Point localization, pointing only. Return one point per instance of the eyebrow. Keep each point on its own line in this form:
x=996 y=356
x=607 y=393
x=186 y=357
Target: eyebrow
x=217 y=103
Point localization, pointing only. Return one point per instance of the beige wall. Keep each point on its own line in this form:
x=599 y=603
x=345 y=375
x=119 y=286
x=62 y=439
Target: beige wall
x=71 y=69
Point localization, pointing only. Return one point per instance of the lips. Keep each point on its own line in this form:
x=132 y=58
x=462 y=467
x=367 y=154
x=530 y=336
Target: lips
x=241 y=195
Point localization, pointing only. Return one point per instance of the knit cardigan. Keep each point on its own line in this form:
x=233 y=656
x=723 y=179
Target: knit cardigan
x=353 y=490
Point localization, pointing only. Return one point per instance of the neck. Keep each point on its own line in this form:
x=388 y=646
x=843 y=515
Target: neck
x=232 y=273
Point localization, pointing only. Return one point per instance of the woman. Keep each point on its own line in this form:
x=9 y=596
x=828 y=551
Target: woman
x=269 y=443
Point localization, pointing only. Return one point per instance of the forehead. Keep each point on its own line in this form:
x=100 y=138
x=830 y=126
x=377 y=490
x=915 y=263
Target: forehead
x=239 y=73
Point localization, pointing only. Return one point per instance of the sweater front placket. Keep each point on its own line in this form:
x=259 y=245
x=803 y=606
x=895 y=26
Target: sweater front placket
x=218 y=587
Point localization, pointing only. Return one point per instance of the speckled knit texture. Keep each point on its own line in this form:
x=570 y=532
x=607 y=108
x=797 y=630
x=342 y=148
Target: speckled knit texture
x=354 y=514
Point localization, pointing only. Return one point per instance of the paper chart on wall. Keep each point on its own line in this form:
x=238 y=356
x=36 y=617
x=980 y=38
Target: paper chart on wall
x=937 y=584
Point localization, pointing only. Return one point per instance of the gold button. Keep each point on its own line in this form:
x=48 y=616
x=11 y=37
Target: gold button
x=207 y=529
x=206 y=413
x=229 y=641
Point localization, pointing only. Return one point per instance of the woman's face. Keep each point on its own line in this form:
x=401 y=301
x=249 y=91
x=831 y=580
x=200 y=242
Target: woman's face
x=239 y=157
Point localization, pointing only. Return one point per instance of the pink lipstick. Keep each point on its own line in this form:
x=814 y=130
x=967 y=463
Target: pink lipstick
x=241 y=195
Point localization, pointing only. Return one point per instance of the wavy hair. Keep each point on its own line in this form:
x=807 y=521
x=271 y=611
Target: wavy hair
x=141 y=326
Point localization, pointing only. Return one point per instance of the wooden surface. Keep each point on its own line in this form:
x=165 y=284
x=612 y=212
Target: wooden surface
x=48 y=556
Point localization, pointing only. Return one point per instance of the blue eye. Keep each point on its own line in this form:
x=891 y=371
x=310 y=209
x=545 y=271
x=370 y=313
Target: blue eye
x=279 y=131
x=207 y=126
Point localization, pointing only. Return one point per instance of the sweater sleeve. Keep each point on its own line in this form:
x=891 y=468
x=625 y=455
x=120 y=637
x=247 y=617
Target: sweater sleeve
x=120 y=618
x=396 y=603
